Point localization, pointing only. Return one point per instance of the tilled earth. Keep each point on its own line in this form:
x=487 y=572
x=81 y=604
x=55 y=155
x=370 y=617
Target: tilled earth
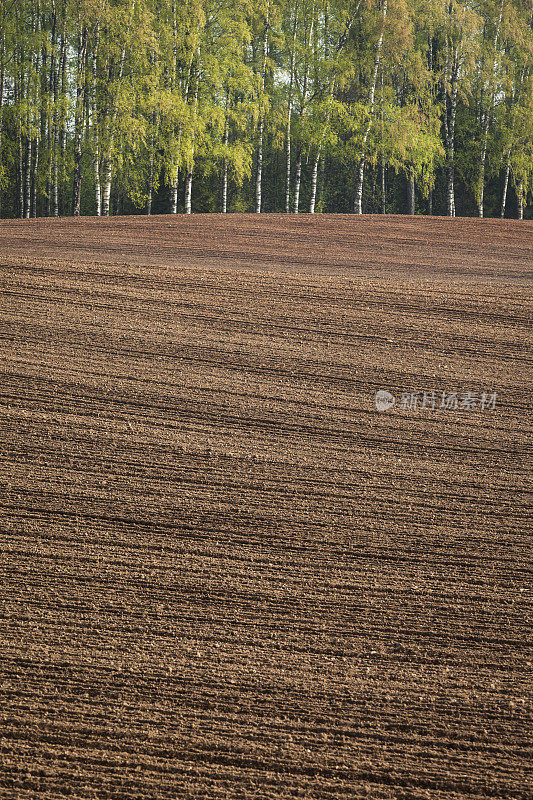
x=226 y=574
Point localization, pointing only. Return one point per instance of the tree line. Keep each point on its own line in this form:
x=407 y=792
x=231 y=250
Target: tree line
x=170 y=106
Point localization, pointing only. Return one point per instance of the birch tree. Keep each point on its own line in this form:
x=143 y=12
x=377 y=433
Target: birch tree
x=261 y=69
x=358 y=206
x=490 y=60
x=113 y=106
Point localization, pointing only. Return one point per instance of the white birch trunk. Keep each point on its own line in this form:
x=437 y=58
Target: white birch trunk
x=32 y=107
x=174 y=182
x=21 y=177
x=18 y=96
x=27 y=168
x=224 y=208
x=55 y=171
x=35 y=177
x=314 y=182
x=37 y=105
x=55 y=145
x=450 y=150
x=259 y=169
x=261 y=126
x=97 y=182
x=107 y=156
x=288 y=162
x=174 y=169
x=95 y=132
x=174 y=189
x=225 y=188
x=63 y=94
x=451 y=66
x=78 y=122
x=318 y=155
x=297 y=183
x=289 y=116
x=188 y=189
x=51 y=113
x=298 y=179
x=225 y=141
x=487 y=118
x=358 y=205
x=450 y=191
x=505 y=185
x=190 y=166
x=106 y=194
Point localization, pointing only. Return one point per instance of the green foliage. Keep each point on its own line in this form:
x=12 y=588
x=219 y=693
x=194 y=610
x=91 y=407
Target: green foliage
x=154 y=89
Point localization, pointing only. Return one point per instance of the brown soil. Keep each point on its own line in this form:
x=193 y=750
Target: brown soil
x=223 y=573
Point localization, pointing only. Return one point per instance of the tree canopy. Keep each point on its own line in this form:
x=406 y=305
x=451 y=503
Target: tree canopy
x=167 y=106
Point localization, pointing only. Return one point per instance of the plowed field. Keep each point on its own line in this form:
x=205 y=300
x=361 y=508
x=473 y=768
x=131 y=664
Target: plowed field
x=223 y=572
